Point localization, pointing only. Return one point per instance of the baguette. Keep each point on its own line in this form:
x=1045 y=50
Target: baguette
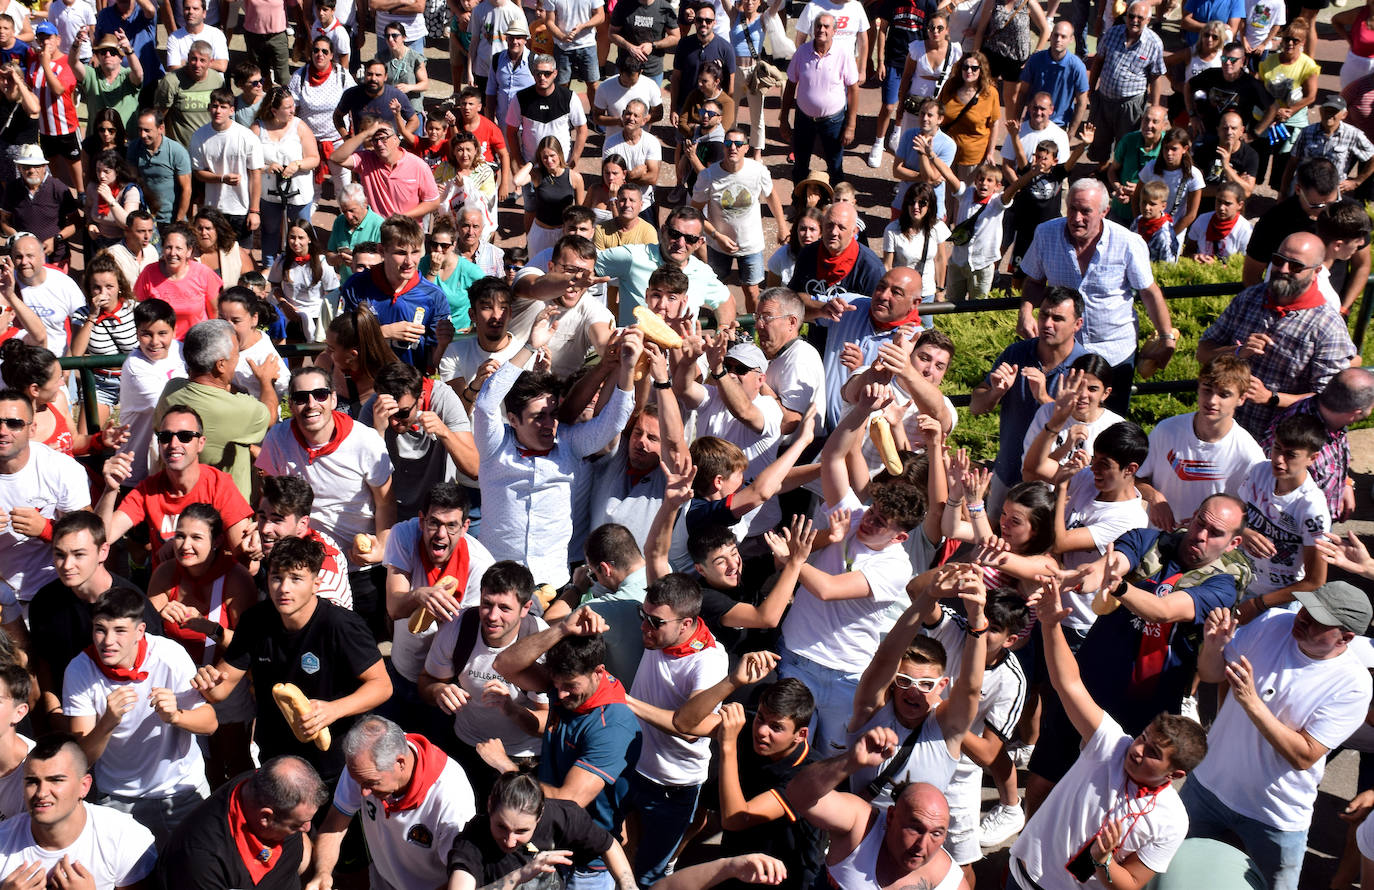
x=880 y=431
x=294 y=707
x=422 y=619
x=656 y=329
x=362 y=543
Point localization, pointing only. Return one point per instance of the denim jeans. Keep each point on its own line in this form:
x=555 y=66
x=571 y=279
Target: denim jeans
x=665 y=812
x=805 y=132
x=834 y=692
x=1277 y=853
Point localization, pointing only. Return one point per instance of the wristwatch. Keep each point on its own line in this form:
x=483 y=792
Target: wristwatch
x=1273 y=401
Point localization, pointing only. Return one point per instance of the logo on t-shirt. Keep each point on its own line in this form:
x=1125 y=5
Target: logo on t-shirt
x=310 y=663
x=371 y=808
x=420 y=836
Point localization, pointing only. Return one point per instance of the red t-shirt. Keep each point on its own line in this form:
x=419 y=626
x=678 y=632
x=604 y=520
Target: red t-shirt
x=151 y=502
x=489 y=137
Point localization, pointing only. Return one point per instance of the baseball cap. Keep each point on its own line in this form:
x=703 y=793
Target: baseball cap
x=45 y=28
x=749 y=355
x=1338 y=604
x=1335 y=103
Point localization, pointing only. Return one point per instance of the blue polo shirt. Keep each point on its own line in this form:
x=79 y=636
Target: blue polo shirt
x=1017 y=408
x=1063 y=80
x=141 y=29
x=371 y=287
x=603 y=739
x=160 y=170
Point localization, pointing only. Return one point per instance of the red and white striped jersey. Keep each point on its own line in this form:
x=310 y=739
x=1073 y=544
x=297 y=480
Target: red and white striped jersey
x=57 y=113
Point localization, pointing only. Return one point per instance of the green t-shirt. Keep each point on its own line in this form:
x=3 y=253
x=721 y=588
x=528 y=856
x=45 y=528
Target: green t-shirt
x=370 y=229
x=1132 y=155
x=455 y=287
x=187 y=102
x=99 y=94
x=233 y=423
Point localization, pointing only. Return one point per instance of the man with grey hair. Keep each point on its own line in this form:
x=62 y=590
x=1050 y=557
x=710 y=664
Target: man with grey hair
x=796 y=373
x=183 y=96
x=271 y=810
x=546 y=109
x=355 y=224
x=472 y=222
x=413 y=802
x=232 y=422
x=1128 y=74
x=642 y=151
x=1110 y=266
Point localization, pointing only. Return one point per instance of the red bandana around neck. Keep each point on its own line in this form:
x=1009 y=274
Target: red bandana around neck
x=1218 y=230
x=531 y=452
x=112 y=315
x=610 y=692
x=833 y=269
x=122 y=674
x=1311 y=299
x=343 y=425
x=430 y=761
x=699 y=639
x=257 y=857
x=379 y=279
x=300 y=260
x=317 y=80
x=1148 y=228
x=456 y=567
x=912 y=317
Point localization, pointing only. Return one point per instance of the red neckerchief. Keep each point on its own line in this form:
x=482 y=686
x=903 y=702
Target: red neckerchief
x=257 y=857
x=109 y=316
x=119 y=674
x=300 y=260
x=912 y=317
x=833 y=269
x=1148 y=228
x=430 y=761
x=610 y=692
x=700 y=639
x=1218 y=231
x=1309 y=300
x=379 y=279
x=343 y=425
x=318 y=80
x=1154 y=649
x=424 y=403
x=636 y=476
x=456 y=567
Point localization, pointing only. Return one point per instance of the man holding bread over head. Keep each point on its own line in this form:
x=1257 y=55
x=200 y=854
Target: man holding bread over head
x=309 y=658
x=433 y=569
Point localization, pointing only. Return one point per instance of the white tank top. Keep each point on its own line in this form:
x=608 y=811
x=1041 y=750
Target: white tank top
x=859 y=870
x=284 y=151
x=929 y=760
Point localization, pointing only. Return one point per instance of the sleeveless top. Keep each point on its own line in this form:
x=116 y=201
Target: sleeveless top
x=239 y=706
x=928 y=760
x=859 y=870
x=1009 y=32
x=551 y=196
x=230 y=266
x=60 y=439
x=1362 y=35
x=285 y=150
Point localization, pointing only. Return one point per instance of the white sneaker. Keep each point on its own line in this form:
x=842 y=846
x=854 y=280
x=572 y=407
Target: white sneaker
x=894 y=137
x=1020 y=755
x=1000 y=824
x=1189 y=708
x=875 y=154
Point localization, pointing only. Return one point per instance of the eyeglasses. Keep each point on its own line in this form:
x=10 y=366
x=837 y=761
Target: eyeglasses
x=675 y=235
x=702 y=21
x=1319 y=205
x=382 y=135
x=735 y=143
x=544 y=73
x=303 y=396
x=185 y=437
x=253 y=83
x=1279 y=261
x=1289 y=41
x=654 y=621
x=14 y=424
x=433 y=526
x=922 y=684
x=769 y=319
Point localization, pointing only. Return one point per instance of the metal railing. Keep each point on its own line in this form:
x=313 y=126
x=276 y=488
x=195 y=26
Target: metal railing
x=87 y=365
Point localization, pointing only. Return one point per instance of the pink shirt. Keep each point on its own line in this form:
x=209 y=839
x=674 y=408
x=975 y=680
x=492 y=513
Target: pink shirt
x=822 y=81
x=264 y=16
x=193 y=297
x=396 y=189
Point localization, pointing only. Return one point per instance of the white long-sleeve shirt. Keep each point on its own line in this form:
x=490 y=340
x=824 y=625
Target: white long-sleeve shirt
x=527 y=501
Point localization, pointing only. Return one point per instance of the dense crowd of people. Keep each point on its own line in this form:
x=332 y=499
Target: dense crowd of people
x=586 y=470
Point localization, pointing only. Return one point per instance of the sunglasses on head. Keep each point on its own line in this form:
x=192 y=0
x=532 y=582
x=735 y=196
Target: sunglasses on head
x=13 y=423
x=185 y=437
x=303 y=396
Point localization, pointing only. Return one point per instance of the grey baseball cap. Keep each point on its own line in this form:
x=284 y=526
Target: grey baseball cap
x=1338 y=604
x=749 y=355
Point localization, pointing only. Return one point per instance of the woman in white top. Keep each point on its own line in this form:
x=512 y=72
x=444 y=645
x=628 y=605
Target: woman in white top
x=318 y=88
x=249 y=315
x=806 y=229
x=288 y=182
x=1072 y=421
x=305 y=286
x=928 y=66
x=914 y=239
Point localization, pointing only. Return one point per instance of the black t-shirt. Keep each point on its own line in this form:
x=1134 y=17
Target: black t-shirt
x=1245 y=160
x=60 y=625
x=564 y=826
x=201 y=853
x=656 y=17
x=1283 y=219
x=1039 y=200
x=791 y=839
x=1244 y=94
x=324 y=658
x=906 y=21
x=17 y=126
x=356 y=102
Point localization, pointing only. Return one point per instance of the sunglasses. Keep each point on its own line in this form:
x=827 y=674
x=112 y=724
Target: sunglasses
x=653 y=621
x=922 y=684
x=702 y=21
x=973 y=67
x=303 y=396
x=736 y=368
x=735 y=143
x=321 y=50
x=1279 y=261
x=253 y=83
x=13 y=423
x=544 y=73
x=1289 y=41
x=674 y=235
x=1235 y=60
x=382 y=136
x=107 y=52
x=185 y=437
x=441 y=245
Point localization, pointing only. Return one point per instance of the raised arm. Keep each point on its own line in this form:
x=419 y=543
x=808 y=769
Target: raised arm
x=519 y=663
x=1083 y=712
x=957 y=712
x=678 y=472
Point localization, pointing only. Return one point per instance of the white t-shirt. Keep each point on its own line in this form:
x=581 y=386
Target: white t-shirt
x=1291 y=521
x=53 y=484
x=668 y=682
x=1179 y=190
x=12 y=788
x=1232 y=244
x=908 y=250
x=236 y=149
x=53 y=302
x=1327 y=699
x=714 y=419
x=145 y=756
x=244 y=381
x=648 y=148
x=343 y=499
x=844 y=634
x=140 y=386
x=1261 y=16
x=797 y=376
x=409 y=848
x=1106 y=521
x=1031 y=138
x=1096 y=788
x=179 y=45
x=851 y=20
x=571 y=340
x=488 y=28
x=465 y=355
x=414 y=24
x=115 y=849
x=301 y=290
x=732 y=203
x=1333 y=297
x=612 y=96
x=477 y=721
x=985 y=248
x=69 y=20
x=568 y=13
x=1187 y=470
x=408 y=650
x=927 y=760
x=1042 y=417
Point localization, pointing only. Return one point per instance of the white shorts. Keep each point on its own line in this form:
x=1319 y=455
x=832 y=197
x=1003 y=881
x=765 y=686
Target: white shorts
x=961 y=841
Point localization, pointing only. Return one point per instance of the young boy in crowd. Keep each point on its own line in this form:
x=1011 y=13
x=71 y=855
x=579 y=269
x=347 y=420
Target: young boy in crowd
x=977 y=235
x=1154 y=224
x=1344 y=227
x=1040 y=183
x=1285 y=515
x=284 y=512
x=144 y=375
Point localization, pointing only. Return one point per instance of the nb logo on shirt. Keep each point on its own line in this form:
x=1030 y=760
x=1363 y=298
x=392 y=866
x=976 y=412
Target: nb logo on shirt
x=420 y=836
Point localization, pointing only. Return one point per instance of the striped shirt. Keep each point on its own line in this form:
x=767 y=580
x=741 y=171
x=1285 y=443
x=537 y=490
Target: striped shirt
x=112 y=334
x=58 y=113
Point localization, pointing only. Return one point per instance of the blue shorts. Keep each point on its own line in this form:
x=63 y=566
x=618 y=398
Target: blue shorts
x=892 y=85
x=580 y=63
x=751 y=266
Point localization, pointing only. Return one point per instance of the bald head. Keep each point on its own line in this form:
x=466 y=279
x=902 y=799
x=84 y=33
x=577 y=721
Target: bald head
x=917 y=824
x=1293 y=267
x=925 y=797
x=1303 y=246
